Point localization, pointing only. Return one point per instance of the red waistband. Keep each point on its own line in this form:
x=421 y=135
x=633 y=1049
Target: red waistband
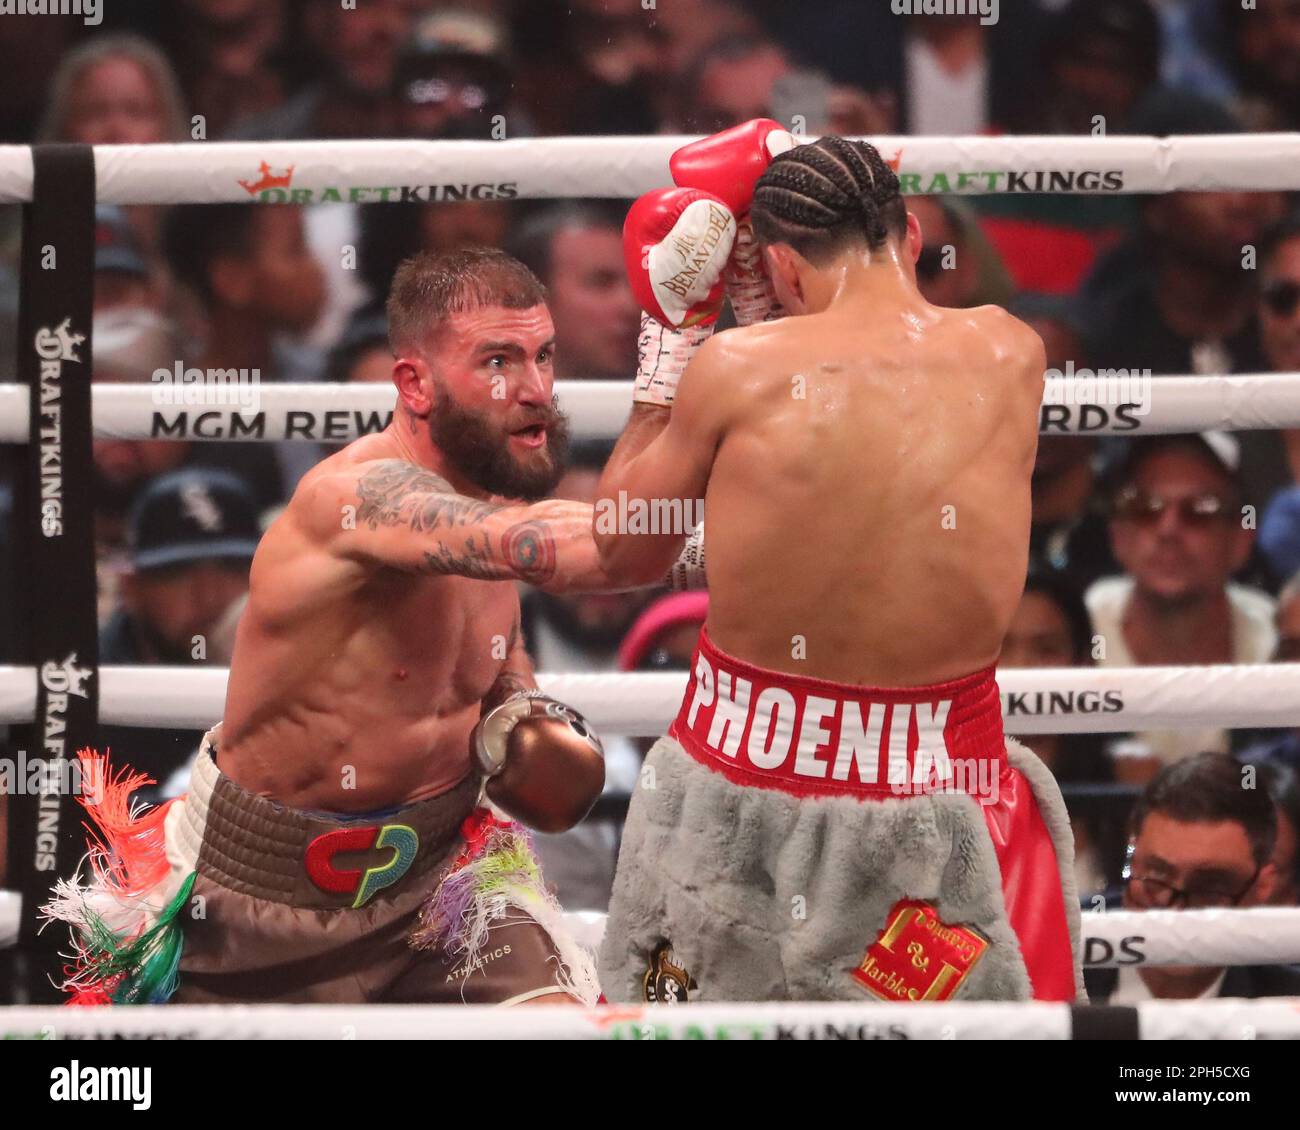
x=813 y=737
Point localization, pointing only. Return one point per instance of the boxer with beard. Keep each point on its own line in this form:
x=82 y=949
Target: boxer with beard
x=379 y=686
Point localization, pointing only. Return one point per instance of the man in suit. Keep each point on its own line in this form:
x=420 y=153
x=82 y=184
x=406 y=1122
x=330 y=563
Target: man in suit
x=1203 y=835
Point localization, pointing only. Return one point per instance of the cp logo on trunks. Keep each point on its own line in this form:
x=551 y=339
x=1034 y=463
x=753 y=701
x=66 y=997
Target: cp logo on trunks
x=918 y=957
x=400 y=839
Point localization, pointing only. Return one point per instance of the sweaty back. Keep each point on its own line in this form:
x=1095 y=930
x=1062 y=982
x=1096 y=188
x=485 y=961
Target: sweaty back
x=868 y=509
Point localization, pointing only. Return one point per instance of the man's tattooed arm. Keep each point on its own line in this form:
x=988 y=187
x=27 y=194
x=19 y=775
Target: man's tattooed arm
x=405 y=517
x=396 y=493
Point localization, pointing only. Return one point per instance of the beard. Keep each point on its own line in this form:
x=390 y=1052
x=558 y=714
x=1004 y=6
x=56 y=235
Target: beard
x=480 y=449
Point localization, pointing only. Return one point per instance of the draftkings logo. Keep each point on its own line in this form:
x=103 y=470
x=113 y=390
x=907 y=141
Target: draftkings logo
x=275 y=186
x=61 y=680
x=55 y=348
x=991 y=181
x=1037 y=703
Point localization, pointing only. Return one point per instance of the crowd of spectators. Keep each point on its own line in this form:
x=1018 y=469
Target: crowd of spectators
x=1175 y=550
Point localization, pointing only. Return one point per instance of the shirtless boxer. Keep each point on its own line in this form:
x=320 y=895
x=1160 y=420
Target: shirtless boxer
x=378 y=675
x=836 y=810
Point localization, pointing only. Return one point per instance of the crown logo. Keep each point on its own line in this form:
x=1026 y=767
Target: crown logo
x=60 y=343
x=67 y=677
x=269 y=180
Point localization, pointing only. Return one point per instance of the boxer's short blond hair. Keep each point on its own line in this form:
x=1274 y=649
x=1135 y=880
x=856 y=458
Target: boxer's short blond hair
x=429 y=287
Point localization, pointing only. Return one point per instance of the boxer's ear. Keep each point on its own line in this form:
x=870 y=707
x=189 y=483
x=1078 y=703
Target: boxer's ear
x=414 y=382
x=915 y=237
x=783 y=267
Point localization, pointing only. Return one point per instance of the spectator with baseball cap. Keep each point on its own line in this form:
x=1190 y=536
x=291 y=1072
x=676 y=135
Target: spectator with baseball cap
x=191 y=535
x=1179 y=533
x=453 y=78
x=122 y=274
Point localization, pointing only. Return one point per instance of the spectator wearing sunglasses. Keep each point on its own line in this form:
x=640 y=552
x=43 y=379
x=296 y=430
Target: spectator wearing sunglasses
x=1178 y=532
x=1203 y=835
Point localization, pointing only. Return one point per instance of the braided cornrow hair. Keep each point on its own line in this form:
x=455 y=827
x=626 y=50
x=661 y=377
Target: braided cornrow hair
x=817 y=197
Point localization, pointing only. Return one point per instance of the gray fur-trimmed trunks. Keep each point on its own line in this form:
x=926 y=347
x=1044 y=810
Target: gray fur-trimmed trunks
x=795 y=839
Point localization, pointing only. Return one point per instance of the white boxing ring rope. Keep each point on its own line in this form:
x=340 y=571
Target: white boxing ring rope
x=363 y=172
x=1111 y=938
x=599 y=409
x=1052 y=700
x=1269 y=1019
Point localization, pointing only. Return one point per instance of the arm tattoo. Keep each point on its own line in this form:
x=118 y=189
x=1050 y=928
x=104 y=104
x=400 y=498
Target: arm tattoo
x=529 y=549
x=397 y=493
x=473 y=561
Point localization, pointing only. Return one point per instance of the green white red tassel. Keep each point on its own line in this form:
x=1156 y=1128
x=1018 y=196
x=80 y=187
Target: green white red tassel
x=127 y=941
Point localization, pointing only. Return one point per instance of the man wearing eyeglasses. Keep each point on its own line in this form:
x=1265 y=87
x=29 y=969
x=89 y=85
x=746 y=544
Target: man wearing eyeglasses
x=1179 y=533
x=1202 y=838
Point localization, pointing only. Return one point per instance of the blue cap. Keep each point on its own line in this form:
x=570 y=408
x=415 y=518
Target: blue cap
x=195 y=514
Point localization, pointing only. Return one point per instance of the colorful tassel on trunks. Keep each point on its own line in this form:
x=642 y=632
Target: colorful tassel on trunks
x=496 y=879
x=127 y=943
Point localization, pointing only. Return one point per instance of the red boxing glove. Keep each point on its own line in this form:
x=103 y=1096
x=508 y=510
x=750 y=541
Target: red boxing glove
x=729 y=163
x=676 y=242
